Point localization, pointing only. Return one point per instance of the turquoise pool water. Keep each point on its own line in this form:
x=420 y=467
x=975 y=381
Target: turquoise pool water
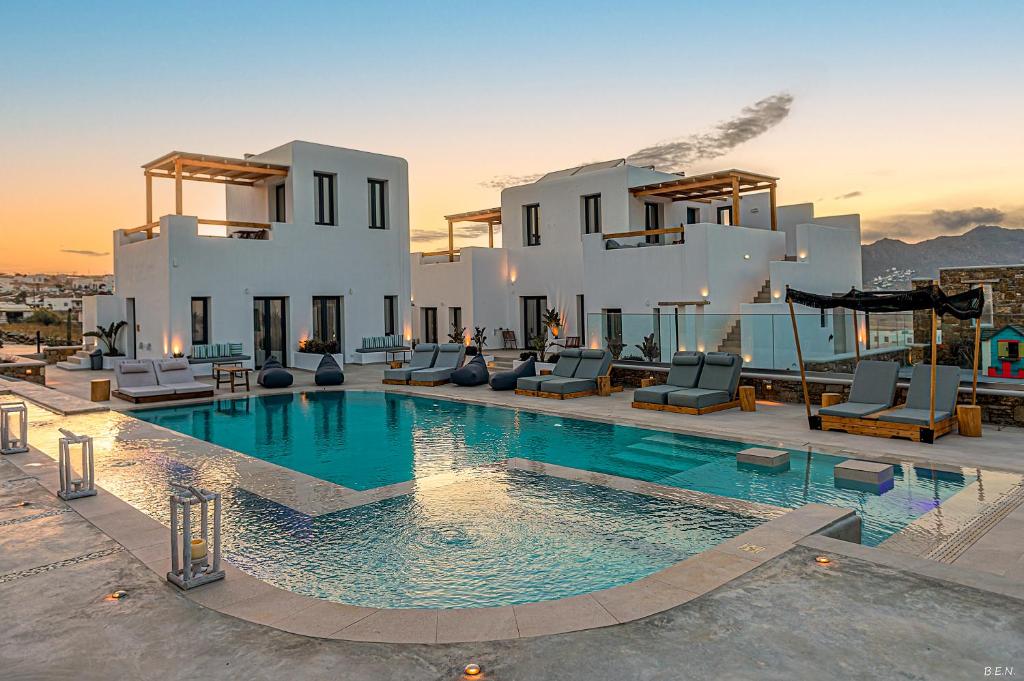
x=494 y=535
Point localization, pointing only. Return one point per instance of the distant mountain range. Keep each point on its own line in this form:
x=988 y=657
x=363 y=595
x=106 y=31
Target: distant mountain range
x=891 y=263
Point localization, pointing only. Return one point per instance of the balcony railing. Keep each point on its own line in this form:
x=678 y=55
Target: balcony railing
x=258 y=229
x=680 y=230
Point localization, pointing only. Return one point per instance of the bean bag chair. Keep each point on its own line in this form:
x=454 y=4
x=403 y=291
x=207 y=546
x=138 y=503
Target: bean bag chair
x=273 y=375
x=506 y=380
x=474 y=373
x=328 y=372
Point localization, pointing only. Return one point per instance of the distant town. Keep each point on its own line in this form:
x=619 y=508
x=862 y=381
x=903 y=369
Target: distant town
x=46 y=306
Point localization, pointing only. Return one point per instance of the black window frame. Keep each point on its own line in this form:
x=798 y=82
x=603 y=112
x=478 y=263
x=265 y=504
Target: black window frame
x=390 y=315
x=321 y=317
x=205 y=302
x=531 y=224
x=280 y=203
x=722 y=210
x=692 y=215
x=377 y=198
x=591 y=214
x=652 y=208
x=319 y=212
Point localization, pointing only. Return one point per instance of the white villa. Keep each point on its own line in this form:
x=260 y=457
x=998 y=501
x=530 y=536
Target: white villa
x=612 y=245
x=315 y=245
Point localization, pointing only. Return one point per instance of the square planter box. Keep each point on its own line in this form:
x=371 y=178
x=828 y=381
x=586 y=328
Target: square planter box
x=311 y=360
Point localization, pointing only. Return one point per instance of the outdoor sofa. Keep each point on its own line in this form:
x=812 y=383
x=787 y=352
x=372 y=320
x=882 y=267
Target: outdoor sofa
x=717 y=384
x=873 y=390
x=565 y=367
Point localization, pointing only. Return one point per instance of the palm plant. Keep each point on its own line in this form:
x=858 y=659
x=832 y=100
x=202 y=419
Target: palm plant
x=540 y=344
x=457 y=334
x=478 y=337
x=649 y=349
x=553 y=320
x=615 y=346
x=108 y=336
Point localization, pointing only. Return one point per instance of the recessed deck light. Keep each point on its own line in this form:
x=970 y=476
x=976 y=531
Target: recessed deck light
x=472 y=669
x=823 y=560
x=118 y=595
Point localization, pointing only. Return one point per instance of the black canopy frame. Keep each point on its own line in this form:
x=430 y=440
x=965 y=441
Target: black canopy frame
x=967 y=305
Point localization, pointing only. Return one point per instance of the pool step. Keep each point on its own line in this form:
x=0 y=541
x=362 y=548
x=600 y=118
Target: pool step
x=654 y=462
x=703 y=447
x=679 y=453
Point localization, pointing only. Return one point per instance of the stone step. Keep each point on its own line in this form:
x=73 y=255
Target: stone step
x=73 y=366
x=83 y=354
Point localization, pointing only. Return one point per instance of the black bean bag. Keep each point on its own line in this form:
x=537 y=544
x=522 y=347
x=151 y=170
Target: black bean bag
x=506 y=380
x=473 y=373
x=273 y=375
x=328 y=372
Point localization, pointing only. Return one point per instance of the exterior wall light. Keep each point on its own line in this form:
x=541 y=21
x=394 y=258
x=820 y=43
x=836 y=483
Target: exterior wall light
x=746 y=256
x=704 y=292
x=776 y=295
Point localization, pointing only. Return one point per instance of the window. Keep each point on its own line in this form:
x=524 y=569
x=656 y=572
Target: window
x=692 y=215
x=1008 y=350
x=390 y=315
x=652 y=220
x=531 y=224
x=327 y=320
x=533 y=318
x=725 y=215
x=279 y=203
x=200 y=321
x=592 y=214
x=323 y=198
x=378 y=194
x=581 y=317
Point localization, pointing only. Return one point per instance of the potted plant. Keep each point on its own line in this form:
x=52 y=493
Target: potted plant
x=108 y=336
x=649 y=349
x=312 y=350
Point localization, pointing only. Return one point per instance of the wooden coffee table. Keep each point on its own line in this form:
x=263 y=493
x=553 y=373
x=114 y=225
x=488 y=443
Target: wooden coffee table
x=227 y=374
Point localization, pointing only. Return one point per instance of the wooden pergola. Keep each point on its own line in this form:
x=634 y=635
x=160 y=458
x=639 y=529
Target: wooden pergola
x=490 y=216
x=723 y=184
x=180 y=166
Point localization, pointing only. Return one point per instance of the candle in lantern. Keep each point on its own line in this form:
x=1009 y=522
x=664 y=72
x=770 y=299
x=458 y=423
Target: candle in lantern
x=198 y=549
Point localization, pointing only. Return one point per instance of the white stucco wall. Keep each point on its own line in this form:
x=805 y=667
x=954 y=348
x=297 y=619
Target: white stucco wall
x=299 y=260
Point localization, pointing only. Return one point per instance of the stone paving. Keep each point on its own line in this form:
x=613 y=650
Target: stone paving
x=880 y=615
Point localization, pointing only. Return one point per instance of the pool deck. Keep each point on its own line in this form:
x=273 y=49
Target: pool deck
x=965 y=614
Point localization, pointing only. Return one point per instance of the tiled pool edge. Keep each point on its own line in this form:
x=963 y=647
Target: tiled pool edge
x=249 y=598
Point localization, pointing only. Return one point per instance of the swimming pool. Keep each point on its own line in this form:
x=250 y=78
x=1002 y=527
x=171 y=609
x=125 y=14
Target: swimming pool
x=487 y=534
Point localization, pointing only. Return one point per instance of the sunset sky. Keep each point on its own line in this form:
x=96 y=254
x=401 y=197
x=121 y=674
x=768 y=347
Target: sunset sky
x=892 y=110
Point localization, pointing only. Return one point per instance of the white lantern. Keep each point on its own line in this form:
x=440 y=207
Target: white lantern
x=72 y=486
x=13 y=428
x=191 y=563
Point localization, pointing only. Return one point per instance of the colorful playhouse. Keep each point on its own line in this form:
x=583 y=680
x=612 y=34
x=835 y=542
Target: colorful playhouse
x=1005 y=347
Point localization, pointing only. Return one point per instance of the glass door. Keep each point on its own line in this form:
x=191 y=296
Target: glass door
x=269 y=330
x=430 y=325
x=533 y=312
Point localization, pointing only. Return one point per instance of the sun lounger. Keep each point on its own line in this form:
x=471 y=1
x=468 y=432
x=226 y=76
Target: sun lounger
x=583 y=382
x=449 y=358
x=140 y=381
x=685 y=372
x=565 y=367
x=177 y=374
x=917 y=409
x=423 y=357
x=716 y=388
x=873 y=390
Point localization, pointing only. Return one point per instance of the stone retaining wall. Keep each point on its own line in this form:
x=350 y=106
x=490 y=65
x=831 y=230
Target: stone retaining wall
x=31 y=370
x=59 y=353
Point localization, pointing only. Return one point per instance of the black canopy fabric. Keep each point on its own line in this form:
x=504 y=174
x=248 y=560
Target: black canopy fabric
x=967 y=305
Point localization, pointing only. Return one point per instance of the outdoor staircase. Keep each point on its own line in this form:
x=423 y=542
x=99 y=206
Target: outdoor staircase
x=79 y=361
x=732 y=342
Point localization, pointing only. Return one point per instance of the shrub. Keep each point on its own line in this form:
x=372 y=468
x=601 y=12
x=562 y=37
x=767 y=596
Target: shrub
x=319 y=347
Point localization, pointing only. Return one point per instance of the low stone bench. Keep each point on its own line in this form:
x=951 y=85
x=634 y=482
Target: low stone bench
x=761 y=458
x=865 y=476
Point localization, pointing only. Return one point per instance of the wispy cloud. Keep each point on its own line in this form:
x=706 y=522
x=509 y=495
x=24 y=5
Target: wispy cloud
x=752 y=121
x=939 y=222
x=848 y=195
x=468 y=230
x=91 y=254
